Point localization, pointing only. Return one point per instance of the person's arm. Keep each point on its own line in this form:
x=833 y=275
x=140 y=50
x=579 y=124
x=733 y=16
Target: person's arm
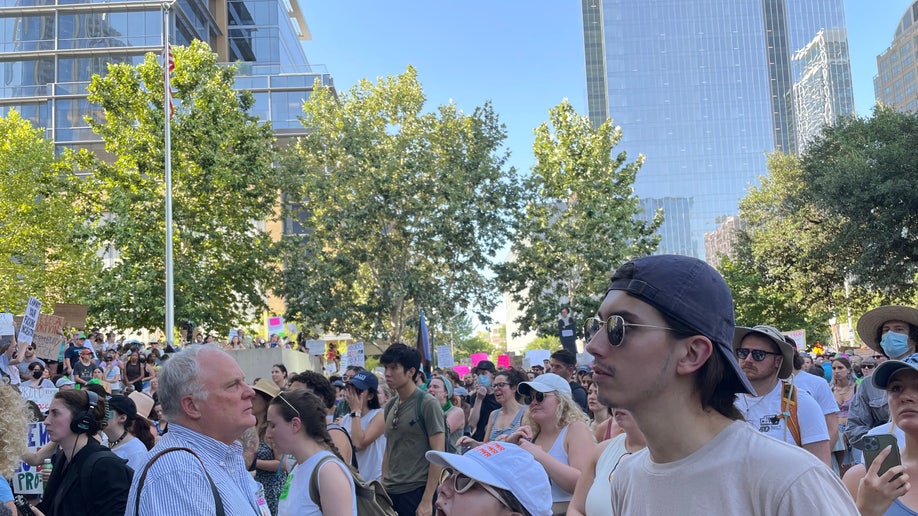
x=334 y=489
x=577 y=506
x=436 y=441
x=363 y=439
x=822 y=450
x=859 y=419
x=117 y=373
x=475 y=414
x=455 y=420
x=37 y=458
x=832 y=426
x=344 y=447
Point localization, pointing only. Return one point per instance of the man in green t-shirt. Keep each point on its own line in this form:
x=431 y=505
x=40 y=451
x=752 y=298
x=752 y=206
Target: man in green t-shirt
x=414 y=424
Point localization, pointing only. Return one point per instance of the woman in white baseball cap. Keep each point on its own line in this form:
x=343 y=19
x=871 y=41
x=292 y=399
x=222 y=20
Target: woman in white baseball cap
x=496 y=478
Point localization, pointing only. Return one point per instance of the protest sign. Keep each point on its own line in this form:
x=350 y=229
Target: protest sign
x=74 y=315
x=29 y=320
x=444 y=356
x=503 y=361
x=537 y=356
x=41 y=397
x=315 y=347
x=355 y=355
x=799 y=337
x=6 y=324
x=26 y=479
x=462 y=370
x=48 y=337
x=275 y=325
x=291 y=329
x=477 y=357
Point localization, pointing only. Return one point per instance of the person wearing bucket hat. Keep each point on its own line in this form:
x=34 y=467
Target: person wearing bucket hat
x=662 y=344
x=496 y=478
x=767 y=359
x=891 y=492
x=555 y=432
x=892 y=332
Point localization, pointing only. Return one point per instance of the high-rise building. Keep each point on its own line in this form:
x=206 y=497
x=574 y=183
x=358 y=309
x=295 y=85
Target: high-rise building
x=50 y=49
x=704 y=89
x=896 y=84
x=823 y=92
x=720 y=242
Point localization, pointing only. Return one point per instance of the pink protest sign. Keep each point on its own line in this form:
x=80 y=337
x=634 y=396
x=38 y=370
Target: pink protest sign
x=462 y=370
x=477 y=357
x=503 y=361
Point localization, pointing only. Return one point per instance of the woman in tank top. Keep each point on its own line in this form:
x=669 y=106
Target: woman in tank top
x=505 y=420
x=555 y=432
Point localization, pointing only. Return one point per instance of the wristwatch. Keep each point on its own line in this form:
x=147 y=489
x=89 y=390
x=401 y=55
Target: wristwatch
x=355 y=414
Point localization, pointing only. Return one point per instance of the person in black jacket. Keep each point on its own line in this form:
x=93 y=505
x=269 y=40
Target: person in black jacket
x=87 y=479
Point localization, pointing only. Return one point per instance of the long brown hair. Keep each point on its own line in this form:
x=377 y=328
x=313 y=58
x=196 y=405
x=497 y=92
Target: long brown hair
x=310 y=410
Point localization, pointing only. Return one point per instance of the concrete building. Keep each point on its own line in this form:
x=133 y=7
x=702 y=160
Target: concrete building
x=720 y=242
x=896 y=84
x=704 y=89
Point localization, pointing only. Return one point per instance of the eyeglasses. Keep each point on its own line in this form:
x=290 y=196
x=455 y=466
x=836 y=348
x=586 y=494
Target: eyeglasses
x=615 y=328
x=867 y=366
x=538 y=396
x=500 y=385
x=462 y=483
x=757 y=354
x=281 y=397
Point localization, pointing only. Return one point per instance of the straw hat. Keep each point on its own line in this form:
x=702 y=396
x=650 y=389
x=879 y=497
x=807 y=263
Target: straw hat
x=144 y=403
x=869 y=324
x=266 y=387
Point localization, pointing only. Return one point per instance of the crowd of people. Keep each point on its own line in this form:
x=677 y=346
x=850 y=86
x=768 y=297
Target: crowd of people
x=680 y=410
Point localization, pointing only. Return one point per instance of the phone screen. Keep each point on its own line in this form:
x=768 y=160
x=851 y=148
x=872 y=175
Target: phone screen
x=874 y=444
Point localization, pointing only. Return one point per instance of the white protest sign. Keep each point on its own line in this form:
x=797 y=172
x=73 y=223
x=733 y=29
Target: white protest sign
x=29 y=320
x=6 y=324
x=315 y=347
x=355 y=355
x=291 y=329
x=537 y=356
x=26 y=479
x=799 y=337
x=233 y=333
x=444 y=357
x=41 y=397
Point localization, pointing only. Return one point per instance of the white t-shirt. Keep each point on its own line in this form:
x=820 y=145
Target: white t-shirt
x=369 y=459
x=740 y=471
x=134 y=452
x=819 y=389
x=294 y=497
x=762 y=413
x=11 y=371
x=110 y=377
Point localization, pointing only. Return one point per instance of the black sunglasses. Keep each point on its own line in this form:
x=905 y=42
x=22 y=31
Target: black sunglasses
x=537 y=396
x=868 y=366
x=757 y=354
x=615 y=328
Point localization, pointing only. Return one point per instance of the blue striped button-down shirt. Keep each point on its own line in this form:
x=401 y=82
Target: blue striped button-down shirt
x=176 y=485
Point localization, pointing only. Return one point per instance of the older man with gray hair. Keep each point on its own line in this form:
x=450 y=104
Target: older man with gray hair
x=198 y=468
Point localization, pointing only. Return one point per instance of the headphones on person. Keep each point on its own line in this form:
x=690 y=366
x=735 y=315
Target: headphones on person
x=85 y=422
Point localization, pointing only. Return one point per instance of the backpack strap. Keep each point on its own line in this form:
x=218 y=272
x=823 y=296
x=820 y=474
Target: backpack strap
x=789 y=410
x=218 y=502
x=314 y=481
x=336 y=426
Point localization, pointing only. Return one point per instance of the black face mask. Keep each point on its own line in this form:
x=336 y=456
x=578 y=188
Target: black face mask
x=36 y=374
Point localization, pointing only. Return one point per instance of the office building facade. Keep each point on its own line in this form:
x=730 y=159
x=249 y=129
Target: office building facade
x=704 y=89
x=896 y=83
x=51 y=49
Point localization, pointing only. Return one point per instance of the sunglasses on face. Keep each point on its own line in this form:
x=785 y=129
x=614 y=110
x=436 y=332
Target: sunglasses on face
x=463 y=483
x=615 y=328
x=536 y=396
x=757 y=354
x=867 y=366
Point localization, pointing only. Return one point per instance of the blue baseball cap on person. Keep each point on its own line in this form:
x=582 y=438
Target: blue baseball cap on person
x=365 y=381
x=885 y=371
x=691 y=293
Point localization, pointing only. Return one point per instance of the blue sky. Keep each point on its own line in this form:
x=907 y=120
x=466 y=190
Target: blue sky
x=523 y=56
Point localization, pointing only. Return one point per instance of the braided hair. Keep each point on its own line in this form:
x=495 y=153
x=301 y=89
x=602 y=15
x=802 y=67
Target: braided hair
x=310 y=409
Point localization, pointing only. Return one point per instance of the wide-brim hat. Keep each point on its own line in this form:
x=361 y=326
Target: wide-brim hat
x=772 y=334
x=549 y=382
x=144 y=403
x=266 y=387
x=868 y=326
x=501 y=464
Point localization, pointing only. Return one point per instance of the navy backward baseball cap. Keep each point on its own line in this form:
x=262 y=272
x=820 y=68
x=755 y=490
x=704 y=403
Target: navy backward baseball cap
x=693 y=294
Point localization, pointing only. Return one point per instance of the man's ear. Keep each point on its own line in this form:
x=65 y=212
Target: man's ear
x=190 y=407
x=696 y=350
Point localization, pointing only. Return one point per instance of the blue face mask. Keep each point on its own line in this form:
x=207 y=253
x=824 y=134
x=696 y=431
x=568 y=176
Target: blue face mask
x=484 y=380
x=894 y=344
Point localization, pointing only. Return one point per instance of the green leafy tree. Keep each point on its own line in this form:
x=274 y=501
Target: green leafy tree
x=43 y=244
x=404 y=209
x=551 y=343
x=223 y=185
x=579 y=222
x=862 y=172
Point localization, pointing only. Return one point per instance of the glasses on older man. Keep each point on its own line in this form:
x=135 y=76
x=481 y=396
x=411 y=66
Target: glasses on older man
x=615 y=328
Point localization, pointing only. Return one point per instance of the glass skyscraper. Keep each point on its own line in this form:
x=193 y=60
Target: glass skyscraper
x=50 y=49
x=704 y=89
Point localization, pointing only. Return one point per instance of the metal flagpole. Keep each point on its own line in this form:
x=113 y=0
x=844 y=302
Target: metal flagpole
x=167 y=111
